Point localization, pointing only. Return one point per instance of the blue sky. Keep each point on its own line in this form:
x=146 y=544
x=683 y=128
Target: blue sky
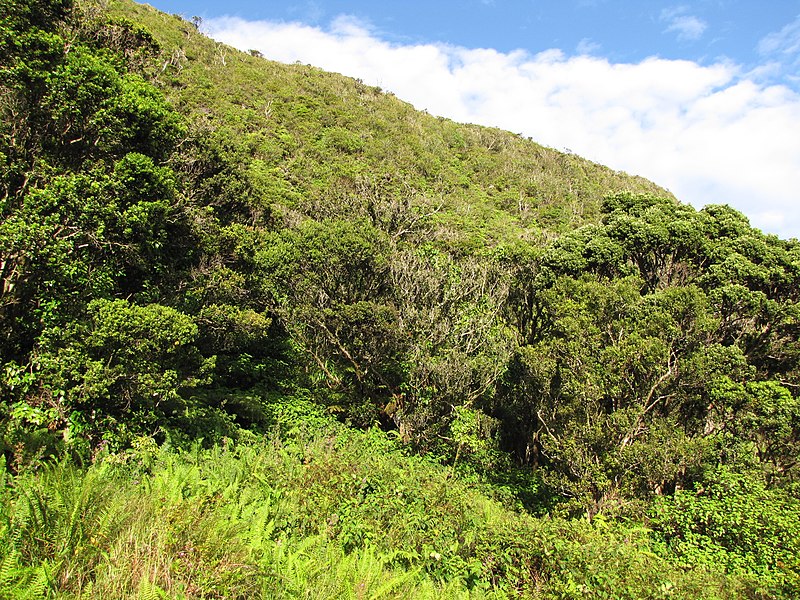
x=702 y=97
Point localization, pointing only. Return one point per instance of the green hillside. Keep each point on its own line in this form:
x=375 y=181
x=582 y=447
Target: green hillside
x=325 y=146
x=270 y=332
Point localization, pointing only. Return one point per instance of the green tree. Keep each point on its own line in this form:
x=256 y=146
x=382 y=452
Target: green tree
x=126 y=371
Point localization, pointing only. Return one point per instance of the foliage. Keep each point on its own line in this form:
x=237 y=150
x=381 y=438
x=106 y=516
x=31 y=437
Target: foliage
x=334 y=515
x=732 y=522
x=199 y=246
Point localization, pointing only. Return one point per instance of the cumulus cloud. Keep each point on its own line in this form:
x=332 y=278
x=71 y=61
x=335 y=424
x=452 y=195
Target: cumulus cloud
x=709 y=133
x=687 y=27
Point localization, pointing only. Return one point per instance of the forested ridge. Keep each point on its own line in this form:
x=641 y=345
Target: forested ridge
x=268 y=331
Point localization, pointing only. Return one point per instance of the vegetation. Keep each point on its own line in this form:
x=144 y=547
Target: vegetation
x=334 y=515
x=270 y=332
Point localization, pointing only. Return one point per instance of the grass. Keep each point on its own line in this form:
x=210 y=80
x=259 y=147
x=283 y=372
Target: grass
x=337 y=514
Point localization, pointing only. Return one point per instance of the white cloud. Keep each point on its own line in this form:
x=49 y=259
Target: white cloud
x=587 y=46
x=709 y=133
x=786 y=41
x=781 y=50
x=688 y=27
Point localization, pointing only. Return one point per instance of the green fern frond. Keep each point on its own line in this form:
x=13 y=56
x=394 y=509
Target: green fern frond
x=150 y=591
x=8 y=570
x=39 y=585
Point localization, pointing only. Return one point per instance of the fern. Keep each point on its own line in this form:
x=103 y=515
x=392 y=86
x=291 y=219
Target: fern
x=39 y=584
x=22 y=583
x=8 y=570
x=150 y=591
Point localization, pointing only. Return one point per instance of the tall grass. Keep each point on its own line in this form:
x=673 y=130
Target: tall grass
x=334 y=515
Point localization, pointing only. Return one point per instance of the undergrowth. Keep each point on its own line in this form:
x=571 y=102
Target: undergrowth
x=335 y=514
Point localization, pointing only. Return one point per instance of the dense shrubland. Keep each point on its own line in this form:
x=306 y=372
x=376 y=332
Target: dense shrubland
x=267 y=331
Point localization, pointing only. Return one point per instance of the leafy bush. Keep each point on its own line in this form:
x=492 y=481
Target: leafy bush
x=732 y=522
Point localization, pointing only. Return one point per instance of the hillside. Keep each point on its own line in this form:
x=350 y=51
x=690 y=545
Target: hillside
x=331 y=147
x=258 y=318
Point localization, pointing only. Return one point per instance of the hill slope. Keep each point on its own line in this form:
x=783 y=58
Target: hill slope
x=330 y=147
